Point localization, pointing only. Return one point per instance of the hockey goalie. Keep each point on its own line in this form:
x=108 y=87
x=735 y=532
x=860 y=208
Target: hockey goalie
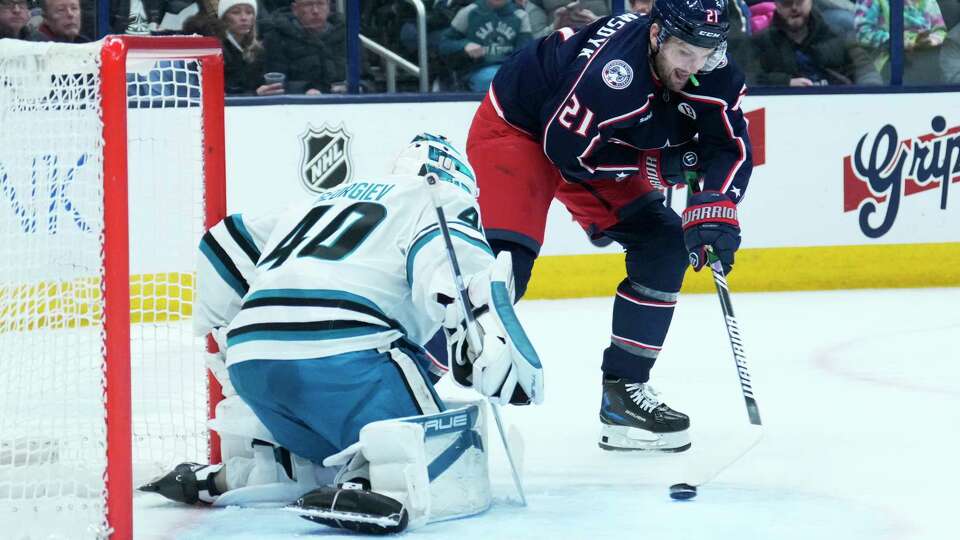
x=320 y=312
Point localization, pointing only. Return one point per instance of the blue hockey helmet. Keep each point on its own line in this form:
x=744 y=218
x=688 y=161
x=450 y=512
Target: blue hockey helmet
x=434 y=154
x=702 y=23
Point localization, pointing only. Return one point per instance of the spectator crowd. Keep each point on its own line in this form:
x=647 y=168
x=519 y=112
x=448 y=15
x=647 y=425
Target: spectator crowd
x=299 y=46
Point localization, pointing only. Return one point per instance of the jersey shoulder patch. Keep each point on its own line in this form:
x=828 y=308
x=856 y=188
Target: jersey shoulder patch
x=617 y=74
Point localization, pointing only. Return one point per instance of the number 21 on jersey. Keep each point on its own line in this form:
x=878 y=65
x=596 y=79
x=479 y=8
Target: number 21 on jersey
x=573 y=114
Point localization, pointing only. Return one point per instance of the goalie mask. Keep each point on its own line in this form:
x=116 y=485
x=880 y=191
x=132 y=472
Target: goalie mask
x=702 y=23
x=434 y=154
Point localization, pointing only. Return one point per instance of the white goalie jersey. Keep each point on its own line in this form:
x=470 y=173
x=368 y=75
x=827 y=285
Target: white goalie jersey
x=358 y=268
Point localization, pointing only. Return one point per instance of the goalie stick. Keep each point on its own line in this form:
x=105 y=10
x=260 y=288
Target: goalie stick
x=473 y=337
x=739 y=357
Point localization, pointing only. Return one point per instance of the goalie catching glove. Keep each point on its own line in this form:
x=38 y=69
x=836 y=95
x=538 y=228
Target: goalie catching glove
x=506 y=368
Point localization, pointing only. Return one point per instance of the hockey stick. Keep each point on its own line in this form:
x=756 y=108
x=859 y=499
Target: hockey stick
x=473 y=337
x=738 y=349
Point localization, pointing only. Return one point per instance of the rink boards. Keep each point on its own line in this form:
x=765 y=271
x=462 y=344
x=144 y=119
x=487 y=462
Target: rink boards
x=848 y=191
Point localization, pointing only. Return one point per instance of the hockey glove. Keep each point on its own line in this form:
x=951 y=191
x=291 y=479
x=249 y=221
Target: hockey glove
x=506 y=368
x=459 y=353
x=710 y=221
x=666 y=167
x=462 y=358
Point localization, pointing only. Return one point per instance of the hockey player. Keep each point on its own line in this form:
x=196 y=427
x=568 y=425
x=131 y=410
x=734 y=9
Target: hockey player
x=320 y=310
x=596 y=118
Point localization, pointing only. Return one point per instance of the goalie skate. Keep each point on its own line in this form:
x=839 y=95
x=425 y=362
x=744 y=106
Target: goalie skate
x=353 y=508
x=187 y=483
x=634 y=418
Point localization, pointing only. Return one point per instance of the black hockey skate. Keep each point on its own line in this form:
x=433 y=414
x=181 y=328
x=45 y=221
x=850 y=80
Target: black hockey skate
x=353 y=508
x=634 y=418
x=188 y=483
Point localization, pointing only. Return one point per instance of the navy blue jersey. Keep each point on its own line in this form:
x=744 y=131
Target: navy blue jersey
x=594 y=100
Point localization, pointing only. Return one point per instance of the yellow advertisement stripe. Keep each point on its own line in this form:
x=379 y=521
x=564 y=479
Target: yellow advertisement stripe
x=768 y=269
x=169 y=296
x=77 y=303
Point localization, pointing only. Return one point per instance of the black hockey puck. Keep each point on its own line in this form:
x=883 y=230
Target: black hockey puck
x=682 y=492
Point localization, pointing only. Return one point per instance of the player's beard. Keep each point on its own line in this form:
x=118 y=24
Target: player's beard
x=671 y=77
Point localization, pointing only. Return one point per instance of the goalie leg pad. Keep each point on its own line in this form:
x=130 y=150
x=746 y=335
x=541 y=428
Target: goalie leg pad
x=398 y=465
x=456 y=460
x=434 y=465
x=268 y=466
x=273 y=477
x=238 y=427
x=456 y=450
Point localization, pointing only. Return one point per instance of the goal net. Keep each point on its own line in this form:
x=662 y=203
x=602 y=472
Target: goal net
x=111 y=166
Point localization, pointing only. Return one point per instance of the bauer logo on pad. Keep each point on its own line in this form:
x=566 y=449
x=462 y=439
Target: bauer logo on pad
x=325 y=157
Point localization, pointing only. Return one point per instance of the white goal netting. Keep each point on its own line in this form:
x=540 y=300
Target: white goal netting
x=53 y=452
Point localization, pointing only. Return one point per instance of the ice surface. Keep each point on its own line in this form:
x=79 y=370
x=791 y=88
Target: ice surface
x=860 y=397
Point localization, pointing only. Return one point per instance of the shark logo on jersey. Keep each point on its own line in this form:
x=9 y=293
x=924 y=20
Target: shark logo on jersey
x=686 y=109
x=617 y=74
x=324 y=157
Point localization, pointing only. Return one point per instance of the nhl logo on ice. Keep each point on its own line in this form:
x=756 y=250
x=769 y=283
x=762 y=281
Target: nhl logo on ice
x=617 y=74
x=325 y=157
x=686 y=109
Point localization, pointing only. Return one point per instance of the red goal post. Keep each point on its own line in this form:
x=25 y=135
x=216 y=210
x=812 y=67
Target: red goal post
x=116 y=50
x=112 y=165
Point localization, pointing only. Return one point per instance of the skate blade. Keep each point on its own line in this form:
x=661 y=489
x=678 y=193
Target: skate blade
x=629 y=439
x=314 y=513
